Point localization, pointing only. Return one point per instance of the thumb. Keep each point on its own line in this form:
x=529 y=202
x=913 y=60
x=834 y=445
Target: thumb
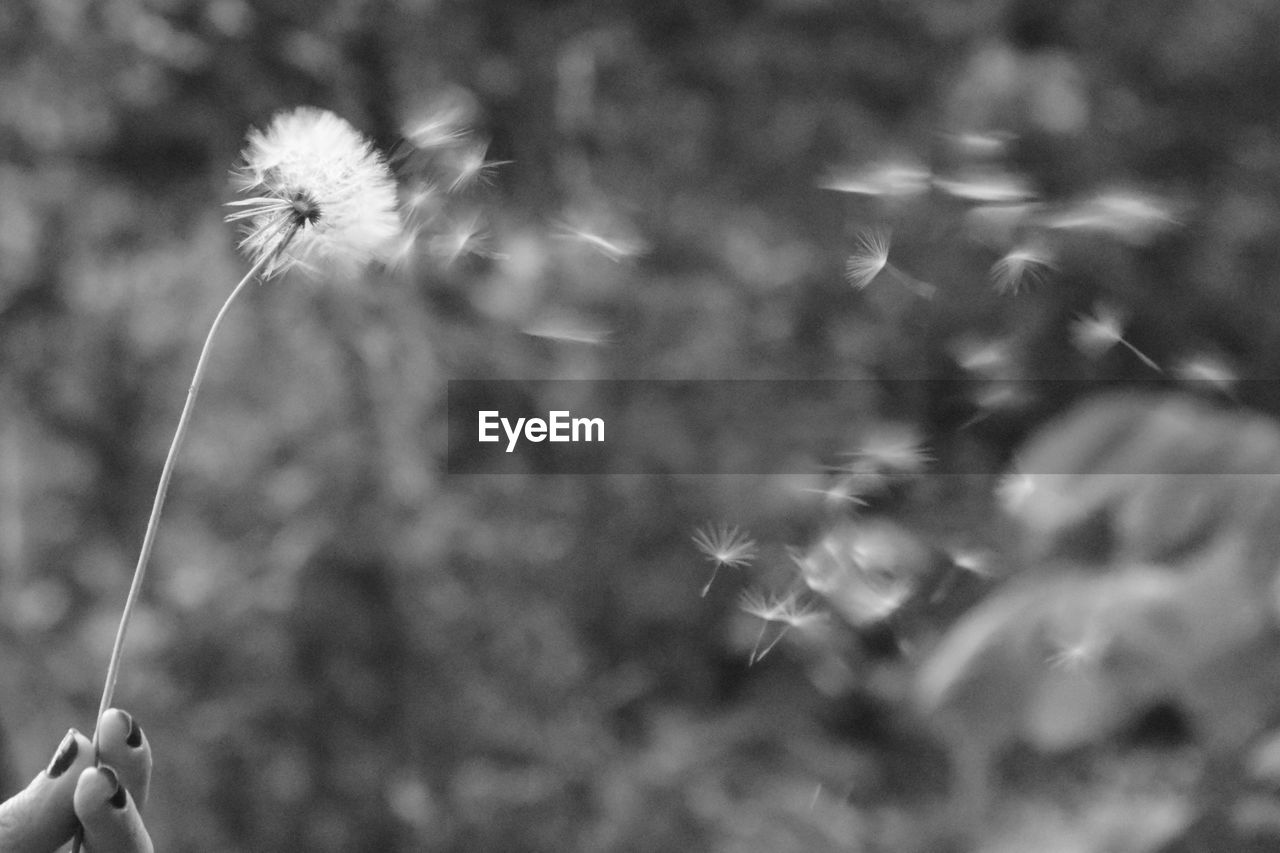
x=108 y=814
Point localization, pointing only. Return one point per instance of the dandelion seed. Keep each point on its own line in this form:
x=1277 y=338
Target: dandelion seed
x=785 y=611
x=463 y=237
x=981 y=145
x=891 y=180
x=1208 y=370
x=325 y=196
x=615 y=249
x=1081 y=653
x=440 y=130
x=1022 y=265
x=974 y=561
x=987 y=187
x=893 y=449
x=471 y=166
x=1094 y=334
x=872 y=256
x=1134 y=217
x=847 y=490
x=725 y=546
x=989 y=358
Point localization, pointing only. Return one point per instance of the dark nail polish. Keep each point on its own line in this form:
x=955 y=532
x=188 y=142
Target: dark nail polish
x=119 y=797
x=65 y=755
x=134 y=738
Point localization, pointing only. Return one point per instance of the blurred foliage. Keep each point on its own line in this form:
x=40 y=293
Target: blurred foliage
x=342 y=648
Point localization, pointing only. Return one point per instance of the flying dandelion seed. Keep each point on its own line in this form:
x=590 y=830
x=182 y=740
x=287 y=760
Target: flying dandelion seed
x=987 y=187
x=325 y=196
x=1021 y=266
x=615 y=249
x=440 y=130
x=1079 y=654
x=886 y=180
x=784 y=611
x=1207 y=370
x=870 y=258
x=567 y=330
x=724 y=545
x=989 y=358
x=1095 y=334
x=1134 y=217
x=471 y=166
x=893 y=449
x=981 y=145
x=464 y=237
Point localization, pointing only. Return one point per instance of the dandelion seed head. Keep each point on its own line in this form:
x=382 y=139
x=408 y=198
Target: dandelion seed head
x=869 y=259
x=323 y=196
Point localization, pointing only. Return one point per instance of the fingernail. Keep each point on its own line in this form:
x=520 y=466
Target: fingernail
x=119 y=797
x=65 y=755
x=134 y=738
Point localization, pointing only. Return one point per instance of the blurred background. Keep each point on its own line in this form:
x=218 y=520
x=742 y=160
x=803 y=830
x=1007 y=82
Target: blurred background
x=980 y=211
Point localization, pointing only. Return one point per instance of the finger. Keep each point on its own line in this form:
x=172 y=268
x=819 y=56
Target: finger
x=108 y=814
x=122 y=744
x=39 y=818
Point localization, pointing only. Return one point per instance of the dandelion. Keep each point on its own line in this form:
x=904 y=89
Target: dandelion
x=1095 y=334
x=724 y=546
x=785 y=611
x=872 y=258
x=324 y=195
x=1021 y=265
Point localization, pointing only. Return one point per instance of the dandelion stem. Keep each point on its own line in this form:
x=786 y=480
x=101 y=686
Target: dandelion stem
x=148 y=539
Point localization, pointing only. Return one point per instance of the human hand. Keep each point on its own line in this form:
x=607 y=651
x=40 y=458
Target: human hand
x=72 y=792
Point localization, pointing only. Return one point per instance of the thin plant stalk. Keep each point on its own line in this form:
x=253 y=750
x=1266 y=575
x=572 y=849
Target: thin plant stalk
x=153 y=523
